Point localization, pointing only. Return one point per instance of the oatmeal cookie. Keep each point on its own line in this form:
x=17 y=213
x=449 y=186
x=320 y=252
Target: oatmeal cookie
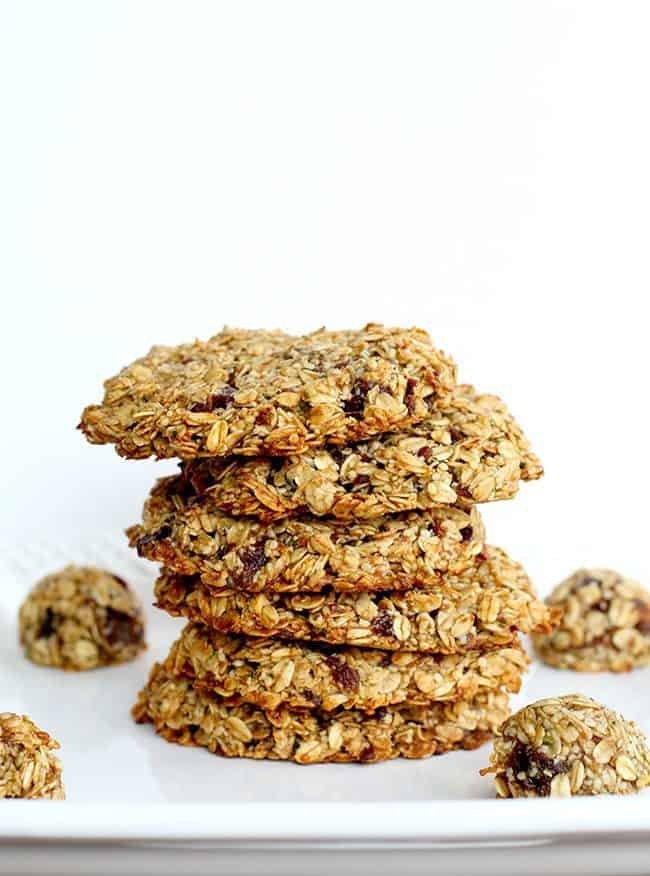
x=468 y=450
x=568 y=745
x=231 y=728
x=271 y=672
x=81 y=618
x=28 y=768
x=482 y=608
x=605 y=624
x=303 y=554
x=254 y=392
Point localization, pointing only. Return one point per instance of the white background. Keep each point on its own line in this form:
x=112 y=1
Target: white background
x=479 y=169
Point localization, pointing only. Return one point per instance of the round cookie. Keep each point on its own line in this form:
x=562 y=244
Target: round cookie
x=567 y=746
x=480 y=609
x=468 y=449
x=605 y=624
x=398 y=552
x=228 y=727
x=28 y=768
x=272 y=672
x=81 y=618
x=259 y=392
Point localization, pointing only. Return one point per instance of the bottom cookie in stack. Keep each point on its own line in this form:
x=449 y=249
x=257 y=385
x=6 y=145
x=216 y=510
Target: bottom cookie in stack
x=266 y=698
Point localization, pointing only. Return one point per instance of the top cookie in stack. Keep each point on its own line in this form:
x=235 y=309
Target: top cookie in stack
x=326 y=495
x=259 y=392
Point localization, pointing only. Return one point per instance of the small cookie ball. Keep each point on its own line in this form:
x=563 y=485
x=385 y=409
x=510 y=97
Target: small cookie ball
x=605 y=624
x=27 y=766
x=81 y=618
x=565 y=746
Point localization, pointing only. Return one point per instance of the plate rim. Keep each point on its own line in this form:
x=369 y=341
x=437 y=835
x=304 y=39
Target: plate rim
x=384 y=823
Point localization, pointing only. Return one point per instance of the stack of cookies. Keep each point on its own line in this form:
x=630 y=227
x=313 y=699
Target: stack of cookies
x=322 y=540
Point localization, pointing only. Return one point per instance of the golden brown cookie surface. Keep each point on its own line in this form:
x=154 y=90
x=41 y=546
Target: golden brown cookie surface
x=189 y=716
x=468 y=450
x=253 y=392
x=272 y=672
x=190 y=536
x=482 y=608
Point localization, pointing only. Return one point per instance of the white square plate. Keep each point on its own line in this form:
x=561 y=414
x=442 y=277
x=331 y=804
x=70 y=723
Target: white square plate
x=136 y=803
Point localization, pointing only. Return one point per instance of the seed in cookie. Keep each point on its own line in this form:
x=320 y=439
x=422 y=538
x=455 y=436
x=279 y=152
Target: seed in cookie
x=605 y=624
x=81 y=618
x=565 y=746
x=28 y=769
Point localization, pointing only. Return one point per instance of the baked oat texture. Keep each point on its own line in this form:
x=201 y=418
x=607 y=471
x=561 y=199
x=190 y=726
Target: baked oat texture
x=253 y=392
x=231 y=728
x=568 y=745
x=605 y=624
x=483 y=608
x=81 y=618
x=191 y=536
x=271 y=672
x=468 y=450
x=28 y=768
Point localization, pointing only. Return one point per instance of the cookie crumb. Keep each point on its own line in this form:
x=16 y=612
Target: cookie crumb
x=81 y=618
x=28 y=769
